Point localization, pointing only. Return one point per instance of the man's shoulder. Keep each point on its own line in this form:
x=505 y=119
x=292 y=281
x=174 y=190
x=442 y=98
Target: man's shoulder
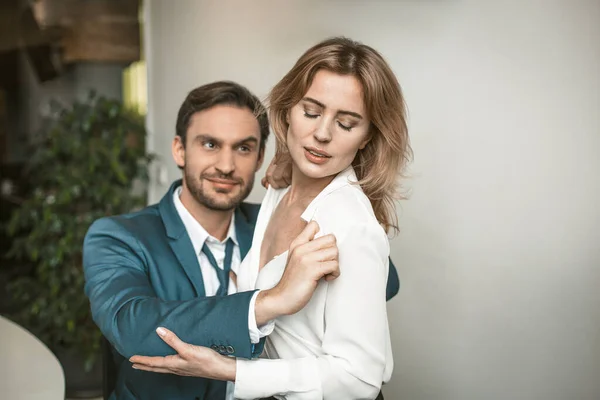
x=250 y=211
x=133 y=222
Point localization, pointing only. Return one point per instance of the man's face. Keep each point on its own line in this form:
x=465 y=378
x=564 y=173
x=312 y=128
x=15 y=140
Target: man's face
x=220 y=156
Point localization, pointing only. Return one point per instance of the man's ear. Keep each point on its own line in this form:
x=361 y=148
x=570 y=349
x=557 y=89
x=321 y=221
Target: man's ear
x=261 y=159
x=178 y=151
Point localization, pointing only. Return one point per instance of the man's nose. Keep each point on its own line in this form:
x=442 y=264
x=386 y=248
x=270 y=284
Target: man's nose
x=226 y=162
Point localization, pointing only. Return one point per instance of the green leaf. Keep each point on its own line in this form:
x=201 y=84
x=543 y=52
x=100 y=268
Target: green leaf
x=79 y=169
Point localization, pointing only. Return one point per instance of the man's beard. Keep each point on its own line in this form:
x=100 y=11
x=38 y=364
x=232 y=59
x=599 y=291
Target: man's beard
x=197 y=191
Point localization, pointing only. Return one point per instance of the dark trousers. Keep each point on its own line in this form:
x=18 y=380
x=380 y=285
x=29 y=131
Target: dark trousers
x=379 y=397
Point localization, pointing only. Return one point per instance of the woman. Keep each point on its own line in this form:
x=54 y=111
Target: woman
x=340 y=115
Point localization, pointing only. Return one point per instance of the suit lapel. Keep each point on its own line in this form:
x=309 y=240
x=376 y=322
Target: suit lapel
x=180 y=241
x=244 y=231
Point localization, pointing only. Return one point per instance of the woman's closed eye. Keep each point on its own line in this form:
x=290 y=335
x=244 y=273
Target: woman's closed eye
x=345 y=127
x=314 y=115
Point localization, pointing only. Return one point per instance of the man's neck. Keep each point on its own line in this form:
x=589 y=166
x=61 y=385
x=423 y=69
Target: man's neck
x=215 y=222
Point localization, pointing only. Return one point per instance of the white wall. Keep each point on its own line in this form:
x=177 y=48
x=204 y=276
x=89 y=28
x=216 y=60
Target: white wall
x=499 y=254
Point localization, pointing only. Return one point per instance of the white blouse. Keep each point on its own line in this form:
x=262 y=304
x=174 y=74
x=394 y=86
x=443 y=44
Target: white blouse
x=338 y=346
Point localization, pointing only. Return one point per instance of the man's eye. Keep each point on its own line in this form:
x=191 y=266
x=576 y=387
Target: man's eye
x=209 y=145
x=308 y=115
x=245 y=149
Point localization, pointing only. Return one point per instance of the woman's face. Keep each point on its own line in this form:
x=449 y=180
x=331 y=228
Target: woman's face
x=328 y=126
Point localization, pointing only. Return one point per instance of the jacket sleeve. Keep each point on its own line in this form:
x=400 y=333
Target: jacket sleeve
x=127 y=310
x=393 y=282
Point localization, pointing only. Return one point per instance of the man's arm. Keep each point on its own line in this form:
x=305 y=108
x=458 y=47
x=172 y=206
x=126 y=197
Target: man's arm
x=393 y=282
x=127 y=310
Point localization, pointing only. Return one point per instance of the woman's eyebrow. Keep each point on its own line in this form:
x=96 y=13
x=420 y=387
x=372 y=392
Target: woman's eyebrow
x=352 y=113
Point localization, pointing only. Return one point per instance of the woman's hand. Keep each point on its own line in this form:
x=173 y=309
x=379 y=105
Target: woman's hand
x=190 y=360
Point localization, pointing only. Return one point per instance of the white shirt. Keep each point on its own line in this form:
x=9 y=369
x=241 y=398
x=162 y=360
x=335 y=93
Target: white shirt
x=199 y=236
x=338 y=346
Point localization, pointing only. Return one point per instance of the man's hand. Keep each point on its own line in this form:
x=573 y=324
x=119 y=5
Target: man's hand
x=308 y=261
x=279 y=172
x=190 y=360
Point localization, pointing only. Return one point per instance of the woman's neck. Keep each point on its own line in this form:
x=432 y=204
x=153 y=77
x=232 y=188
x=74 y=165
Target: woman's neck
x=304 y=189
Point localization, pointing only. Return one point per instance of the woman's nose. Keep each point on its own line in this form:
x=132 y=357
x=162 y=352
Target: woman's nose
x=323 y=132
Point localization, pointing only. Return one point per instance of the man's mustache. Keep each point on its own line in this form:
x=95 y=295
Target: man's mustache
x=227 y=177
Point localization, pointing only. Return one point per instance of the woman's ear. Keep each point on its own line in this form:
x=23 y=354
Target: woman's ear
x=364 y=143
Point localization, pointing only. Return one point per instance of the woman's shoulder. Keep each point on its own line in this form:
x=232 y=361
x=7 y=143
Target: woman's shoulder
x=345 y=210
x=349 y=199
x=272 y=197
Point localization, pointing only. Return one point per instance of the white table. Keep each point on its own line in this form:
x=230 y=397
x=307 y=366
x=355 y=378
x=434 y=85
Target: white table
x=28 y=369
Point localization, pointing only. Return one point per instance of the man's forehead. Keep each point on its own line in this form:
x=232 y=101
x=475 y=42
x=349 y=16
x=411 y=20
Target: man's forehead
x=225 y=122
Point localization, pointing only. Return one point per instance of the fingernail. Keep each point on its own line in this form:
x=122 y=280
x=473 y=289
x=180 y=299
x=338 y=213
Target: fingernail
x=161 y=331
x=134 y=367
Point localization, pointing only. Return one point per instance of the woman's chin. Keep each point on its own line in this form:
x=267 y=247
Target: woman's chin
x=314 y=171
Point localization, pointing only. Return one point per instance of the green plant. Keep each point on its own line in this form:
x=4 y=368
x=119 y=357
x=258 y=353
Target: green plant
x=90 y=163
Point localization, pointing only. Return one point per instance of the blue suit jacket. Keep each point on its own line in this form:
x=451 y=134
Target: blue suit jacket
x=141 y=272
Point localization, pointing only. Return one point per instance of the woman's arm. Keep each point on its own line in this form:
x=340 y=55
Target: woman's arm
x=356 y=335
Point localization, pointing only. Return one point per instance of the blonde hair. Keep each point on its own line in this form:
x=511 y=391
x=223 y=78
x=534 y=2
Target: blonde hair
x=379 y=165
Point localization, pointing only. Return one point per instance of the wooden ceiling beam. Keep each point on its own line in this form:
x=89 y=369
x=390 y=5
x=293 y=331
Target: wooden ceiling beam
x=99 y=30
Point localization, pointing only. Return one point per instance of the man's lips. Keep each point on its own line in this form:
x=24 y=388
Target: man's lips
x=222 y=181
x=225 y=184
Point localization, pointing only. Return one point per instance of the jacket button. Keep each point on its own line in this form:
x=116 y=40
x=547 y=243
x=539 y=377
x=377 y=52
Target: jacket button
x=222 y=349
x=215 y=347
x=230 y=349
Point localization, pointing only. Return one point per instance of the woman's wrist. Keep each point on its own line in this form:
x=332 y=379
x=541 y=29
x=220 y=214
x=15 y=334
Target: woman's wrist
x=265 y=308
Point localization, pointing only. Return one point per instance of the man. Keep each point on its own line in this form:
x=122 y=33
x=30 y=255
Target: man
x=172 y=264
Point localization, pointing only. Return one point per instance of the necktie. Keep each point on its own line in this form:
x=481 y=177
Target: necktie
x=222 y=274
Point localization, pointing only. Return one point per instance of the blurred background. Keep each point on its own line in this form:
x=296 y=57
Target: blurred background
x=499 y=250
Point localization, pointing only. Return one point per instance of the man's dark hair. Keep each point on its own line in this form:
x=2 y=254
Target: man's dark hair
x=221 y=93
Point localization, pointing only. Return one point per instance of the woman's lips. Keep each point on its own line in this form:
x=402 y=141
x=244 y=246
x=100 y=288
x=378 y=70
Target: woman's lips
x=316 y=156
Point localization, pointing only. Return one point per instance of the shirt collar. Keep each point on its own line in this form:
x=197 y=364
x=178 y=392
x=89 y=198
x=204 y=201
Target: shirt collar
x=196 y=232
x=344 y=178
